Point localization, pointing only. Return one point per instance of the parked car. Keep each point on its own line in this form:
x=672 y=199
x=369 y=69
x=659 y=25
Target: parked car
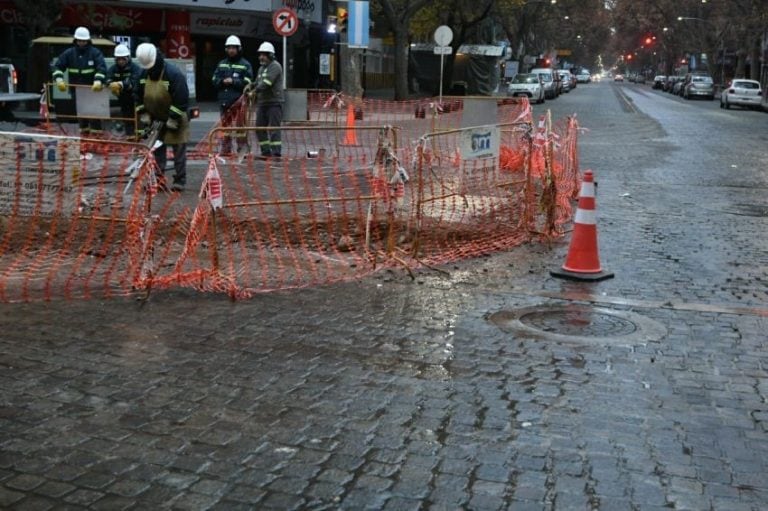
x=529 y=85
x=742 y=92
x=698 y=85
x=583 y=76
x=547 y=76
x=677 y=88
x=658 y=81
x=669 y=85
x=565 y=77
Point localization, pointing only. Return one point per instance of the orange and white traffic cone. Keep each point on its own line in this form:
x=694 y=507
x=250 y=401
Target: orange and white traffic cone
x=583 y=260
x=350 y=136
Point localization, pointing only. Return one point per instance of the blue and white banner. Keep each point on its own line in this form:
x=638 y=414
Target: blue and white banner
x=358 y=25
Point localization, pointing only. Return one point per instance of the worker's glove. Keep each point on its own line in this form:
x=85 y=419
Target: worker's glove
x=97 y=86
x=172 y=124
x=61 y=84
x=145 y=119
x=116 y=87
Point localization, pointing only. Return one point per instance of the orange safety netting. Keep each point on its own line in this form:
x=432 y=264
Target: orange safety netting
x=346 y=201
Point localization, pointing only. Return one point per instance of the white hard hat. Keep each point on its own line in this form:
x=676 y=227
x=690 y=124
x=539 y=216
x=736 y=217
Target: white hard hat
x=82 y=34
x=122 y=50
x=146 y=54
x=233 y=40
x=266 y=48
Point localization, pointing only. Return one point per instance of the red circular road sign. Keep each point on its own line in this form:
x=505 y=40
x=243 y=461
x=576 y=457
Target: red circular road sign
x=285 y=21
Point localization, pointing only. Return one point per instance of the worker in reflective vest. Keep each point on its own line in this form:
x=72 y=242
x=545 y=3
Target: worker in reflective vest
x=84 y=64
x=269 y=101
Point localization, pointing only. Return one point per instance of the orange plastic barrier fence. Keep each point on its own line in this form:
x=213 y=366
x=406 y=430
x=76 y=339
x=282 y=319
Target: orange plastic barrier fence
x=79 y=224
x=413 y=117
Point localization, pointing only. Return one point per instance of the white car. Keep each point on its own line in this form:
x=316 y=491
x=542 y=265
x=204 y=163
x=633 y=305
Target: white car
x=742 y=92
x=528 y=85
x=583 y=76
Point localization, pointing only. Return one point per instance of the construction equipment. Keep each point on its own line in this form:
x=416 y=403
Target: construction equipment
x=134 y=169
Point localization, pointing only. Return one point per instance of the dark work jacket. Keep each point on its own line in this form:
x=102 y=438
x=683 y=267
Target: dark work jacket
x=128 y=76
x=85 y=65
x=174 y=82
x=241 y=72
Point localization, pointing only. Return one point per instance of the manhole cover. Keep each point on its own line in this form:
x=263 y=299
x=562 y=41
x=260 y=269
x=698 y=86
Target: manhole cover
x=579 y=322
x=757 y=210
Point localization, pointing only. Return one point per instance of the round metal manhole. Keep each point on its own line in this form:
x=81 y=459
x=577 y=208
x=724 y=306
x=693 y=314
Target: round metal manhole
x=579 y=322
x=756 y=210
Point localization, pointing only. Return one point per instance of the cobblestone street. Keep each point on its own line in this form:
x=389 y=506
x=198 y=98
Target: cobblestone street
x=644 y=392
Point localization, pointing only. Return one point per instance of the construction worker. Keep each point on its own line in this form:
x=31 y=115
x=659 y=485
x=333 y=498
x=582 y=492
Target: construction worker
x=123 y=79
x=269 y=101
x=232 y=77
x=84 y=63
x=163 y=95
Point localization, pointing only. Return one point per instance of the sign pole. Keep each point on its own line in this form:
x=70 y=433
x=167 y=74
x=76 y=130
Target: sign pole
x=442 y=57
x=286 y=23
x=443 y=37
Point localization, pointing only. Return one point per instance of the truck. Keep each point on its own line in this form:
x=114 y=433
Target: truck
x=9 y=96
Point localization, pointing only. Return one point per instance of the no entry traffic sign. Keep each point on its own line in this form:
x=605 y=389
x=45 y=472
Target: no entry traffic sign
x=285 y=22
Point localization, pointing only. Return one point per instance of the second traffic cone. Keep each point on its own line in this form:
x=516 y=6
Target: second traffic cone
x=350 y=136
x=583 y=260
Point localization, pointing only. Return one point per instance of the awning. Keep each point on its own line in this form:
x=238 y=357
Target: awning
x=57 y=39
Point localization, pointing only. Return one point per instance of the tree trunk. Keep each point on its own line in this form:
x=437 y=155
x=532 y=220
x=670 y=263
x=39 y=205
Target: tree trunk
x=351 y=84
x=754 y=69
x=401 y=65
x=741 y=63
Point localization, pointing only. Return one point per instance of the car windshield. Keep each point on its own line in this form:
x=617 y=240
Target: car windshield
x=746 y=85
x=525 y=79
x=701 y=79
x=545 y=77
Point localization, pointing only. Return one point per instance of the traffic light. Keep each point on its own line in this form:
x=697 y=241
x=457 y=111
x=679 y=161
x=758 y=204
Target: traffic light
x=629 y=56
x=648 y=41
x=342 y=17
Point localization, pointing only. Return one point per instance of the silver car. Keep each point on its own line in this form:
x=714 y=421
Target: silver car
x=528 y=85
x=699 y=85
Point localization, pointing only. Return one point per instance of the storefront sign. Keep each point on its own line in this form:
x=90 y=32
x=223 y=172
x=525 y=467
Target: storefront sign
x=179 y=41
x=9 y=15
x=109 y=18
x=223 y=24
x=234 y=5
x=307 y=10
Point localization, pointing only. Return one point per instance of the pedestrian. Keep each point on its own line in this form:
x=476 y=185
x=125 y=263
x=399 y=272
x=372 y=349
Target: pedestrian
x=163 y=95
x=84 y=65
x=269 y=101
x=123 y=79
x=232 y=77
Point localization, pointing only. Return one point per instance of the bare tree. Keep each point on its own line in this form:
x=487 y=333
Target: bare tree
x=399 y=14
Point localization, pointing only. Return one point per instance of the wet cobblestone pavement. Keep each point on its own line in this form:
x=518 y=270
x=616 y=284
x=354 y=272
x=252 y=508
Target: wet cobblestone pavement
x=406 y=395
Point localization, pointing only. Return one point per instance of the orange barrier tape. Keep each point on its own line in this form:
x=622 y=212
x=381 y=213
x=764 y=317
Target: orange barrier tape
x=77 y=224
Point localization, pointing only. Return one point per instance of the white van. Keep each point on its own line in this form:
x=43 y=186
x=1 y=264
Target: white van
x=548 y=77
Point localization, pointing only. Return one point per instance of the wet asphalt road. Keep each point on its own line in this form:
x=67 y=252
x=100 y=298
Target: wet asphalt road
x=393 y=394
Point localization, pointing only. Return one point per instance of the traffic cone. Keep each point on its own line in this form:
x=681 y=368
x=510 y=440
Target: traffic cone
x=583 y=261
x=350 y=136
